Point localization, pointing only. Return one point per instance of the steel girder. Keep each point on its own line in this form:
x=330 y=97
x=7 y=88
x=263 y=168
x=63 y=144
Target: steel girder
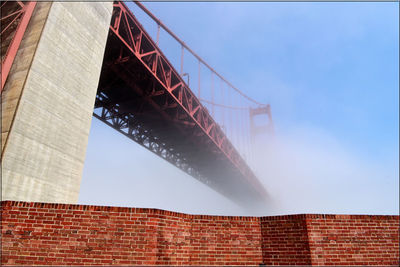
x=15 y=16
x=142 y=96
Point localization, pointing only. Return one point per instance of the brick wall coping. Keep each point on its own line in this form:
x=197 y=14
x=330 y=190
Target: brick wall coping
x=34 y=205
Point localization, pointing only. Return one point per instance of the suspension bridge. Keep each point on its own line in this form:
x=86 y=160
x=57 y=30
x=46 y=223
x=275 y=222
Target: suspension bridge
x=205 y=128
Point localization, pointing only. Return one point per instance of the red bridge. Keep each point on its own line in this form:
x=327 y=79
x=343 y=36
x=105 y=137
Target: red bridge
x=142 y=95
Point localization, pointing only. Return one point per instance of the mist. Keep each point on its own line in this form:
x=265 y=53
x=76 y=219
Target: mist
x=307 y=170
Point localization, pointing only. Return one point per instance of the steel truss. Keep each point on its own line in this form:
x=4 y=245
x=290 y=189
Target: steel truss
x=15 y=16
x=141 y=95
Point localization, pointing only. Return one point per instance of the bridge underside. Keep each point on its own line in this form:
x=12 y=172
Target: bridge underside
x=133 y=99
x=126 y=101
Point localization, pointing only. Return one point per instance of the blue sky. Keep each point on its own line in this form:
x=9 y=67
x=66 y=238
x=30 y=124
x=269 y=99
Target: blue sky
x=330 y=73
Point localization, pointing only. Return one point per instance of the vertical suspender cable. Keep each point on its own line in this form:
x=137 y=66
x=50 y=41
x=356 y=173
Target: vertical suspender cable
x=212 y=94
x=158 y=33
x=247 y=128
x=182 y=50
x=198 y=90
x=223 y=103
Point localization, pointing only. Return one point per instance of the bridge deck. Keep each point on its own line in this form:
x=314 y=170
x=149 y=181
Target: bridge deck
x=142 y=96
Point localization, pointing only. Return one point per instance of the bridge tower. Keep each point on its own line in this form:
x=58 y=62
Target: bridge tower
x=48 y=97
x=257 y=129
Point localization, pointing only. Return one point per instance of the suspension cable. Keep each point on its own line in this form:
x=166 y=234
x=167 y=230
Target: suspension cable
x=193 y=53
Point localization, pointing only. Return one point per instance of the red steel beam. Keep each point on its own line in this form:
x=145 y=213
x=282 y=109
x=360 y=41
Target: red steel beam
x=26 y=10
x=137 y=41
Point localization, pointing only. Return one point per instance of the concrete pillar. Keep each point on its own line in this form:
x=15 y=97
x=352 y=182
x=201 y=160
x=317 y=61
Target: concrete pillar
x=47 y=102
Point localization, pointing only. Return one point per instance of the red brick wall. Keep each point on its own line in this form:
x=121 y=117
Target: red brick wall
x=60 y=234
x=225 y=240
x=285 y=240
x=353 y=239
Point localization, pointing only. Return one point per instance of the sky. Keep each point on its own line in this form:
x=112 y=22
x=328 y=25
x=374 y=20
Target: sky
x=329 y=72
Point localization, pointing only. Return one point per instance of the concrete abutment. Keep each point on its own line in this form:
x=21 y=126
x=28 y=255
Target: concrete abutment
x=48 y=98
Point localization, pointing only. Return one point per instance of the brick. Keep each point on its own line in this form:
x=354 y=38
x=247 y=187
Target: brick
x=101 y=236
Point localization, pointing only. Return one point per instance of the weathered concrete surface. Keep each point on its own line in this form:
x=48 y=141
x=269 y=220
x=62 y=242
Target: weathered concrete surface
x=18 y=73
x=47 y=120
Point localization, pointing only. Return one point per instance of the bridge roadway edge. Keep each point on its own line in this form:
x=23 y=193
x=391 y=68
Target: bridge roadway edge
x=47 y=113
